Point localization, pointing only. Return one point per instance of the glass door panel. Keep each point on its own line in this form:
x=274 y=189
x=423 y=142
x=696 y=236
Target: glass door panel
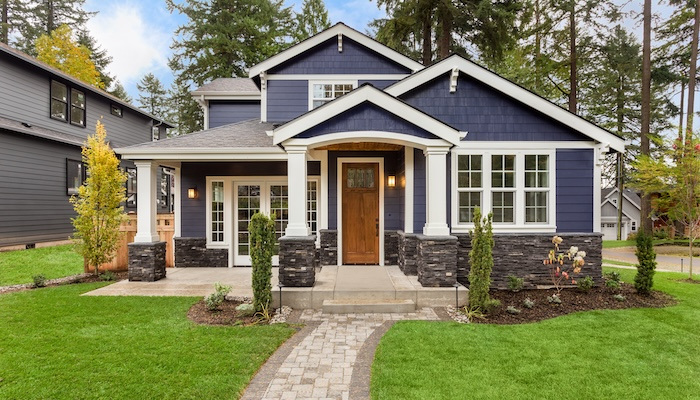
x=248 y=204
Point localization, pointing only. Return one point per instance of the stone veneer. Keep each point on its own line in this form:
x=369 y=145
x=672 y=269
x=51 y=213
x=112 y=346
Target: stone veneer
x=146 y=261
x=408 y=253
x=193 y=252
x=391 y=247
x=328 y=253
x=437 y=260
x=521 y=255
x=297 y=261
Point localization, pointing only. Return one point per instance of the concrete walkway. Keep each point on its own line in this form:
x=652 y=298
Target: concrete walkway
x=663 y=262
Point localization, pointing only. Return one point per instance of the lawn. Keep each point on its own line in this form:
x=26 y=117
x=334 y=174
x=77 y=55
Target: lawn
x=621 y=263
x=635 y=353
x=55 y=344
x=611 y=244
x=53 y=262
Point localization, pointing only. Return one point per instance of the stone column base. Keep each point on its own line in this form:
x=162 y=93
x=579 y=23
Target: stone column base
x=391 y=247
x=408 y=253
x=437 y=260
x=146 y=261
x=297 y=261
x=328 y=254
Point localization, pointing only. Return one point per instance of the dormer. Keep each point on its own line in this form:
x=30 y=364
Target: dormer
x=228 y=100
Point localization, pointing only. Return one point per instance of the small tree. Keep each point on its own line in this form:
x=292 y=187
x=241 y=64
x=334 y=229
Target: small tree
x=98 y=202
x=646 y=256
x=60 y=50
x=262 y=244
x=481 y=262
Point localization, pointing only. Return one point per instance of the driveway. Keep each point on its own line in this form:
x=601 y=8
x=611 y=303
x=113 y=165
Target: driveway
x=663 y=262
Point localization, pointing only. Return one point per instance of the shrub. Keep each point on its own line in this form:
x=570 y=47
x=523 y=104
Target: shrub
x=560 y=272
x=214 y=300
x=512 y=310
x=619 y=297
x=515 y=284
x=611 y=284
x=631 y=236
x=585 y=284
x=39 y=280
x=554 y=299
x=245 y=310
x=613 y=276
x=528 y=303
x=644 y=280
x=262 y=245
x=108 y=276
x=481 y=262
x=491 y=305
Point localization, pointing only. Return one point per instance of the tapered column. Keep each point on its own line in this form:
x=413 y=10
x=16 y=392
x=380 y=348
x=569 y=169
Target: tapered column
x=146 y=206
x=436 y=192
x=296 y=176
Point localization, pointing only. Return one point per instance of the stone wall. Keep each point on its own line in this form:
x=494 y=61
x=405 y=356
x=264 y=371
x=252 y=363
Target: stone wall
x=297 y=261
x=328 y=253
x=146 y=261
x=193 y=252
x=391 y=247
x=408 y=253
x=437 y=260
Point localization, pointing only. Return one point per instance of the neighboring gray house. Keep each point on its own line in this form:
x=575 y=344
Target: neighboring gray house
x=45 y=116
x=631 y=211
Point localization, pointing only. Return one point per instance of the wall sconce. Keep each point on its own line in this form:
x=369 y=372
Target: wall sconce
x=192 y=193
x=391 y=181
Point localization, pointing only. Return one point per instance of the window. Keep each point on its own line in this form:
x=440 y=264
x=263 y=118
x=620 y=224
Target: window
x=312 y=205
x=155 y=133
x=217 y=212
x=634 y=226
x=75 y=175
x=59 y=101
x=116 y=111
x=323 y=92
x=166 y=197
x=469 y=187
x=536 y=187
x=77 y=107
x=131 y=187
x=503 y=177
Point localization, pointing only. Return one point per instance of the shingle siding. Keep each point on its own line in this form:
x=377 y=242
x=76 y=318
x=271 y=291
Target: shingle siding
x=229 y=112
x=575 y=190
x=419 y=193
x=286 y=100
x=379 y=84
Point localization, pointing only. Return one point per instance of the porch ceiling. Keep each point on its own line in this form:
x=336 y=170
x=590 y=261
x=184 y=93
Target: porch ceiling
x=362 y=146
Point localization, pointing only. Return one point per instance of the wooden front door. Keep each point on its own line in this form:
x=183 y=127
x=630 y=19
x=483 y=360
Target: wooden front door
x=361 y=213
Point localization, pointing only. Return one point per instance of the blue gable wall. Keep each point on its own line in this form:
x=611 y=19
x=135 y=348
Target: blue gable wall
x=229 y=112
x=575 y=190
x=379 y=84
x=325 y=59
x=286 y=100
x=366 y=117
x=419 y=200
x=486 y=113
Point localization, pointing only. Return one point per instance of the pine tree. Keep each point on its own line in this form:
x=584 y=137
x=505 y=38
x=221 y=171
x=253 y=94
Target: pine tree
x=13 y=15
x=312 y=19
x=184 y=111
x=44 y=16
x=152 y=96
x=61 y=51
x=98 y=56
x=119 y=91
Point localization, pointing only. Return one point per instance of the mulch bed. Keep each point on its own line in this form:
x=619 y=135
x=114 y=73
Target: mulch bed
x=572 y=300
x=226 y=315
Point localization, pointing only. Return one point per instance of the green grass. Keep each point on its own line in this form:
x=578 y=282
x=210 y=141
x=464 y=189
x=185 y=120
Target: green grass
x=611 y=244
x=53 y=262
x=631 y=354
x=55 y=344
x=622 y=263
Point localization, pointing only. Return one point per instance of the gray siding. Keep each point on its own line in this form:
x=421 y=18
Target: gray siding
x=575 y=190
x=325 y=59
x=286 y=100
x=366 y=117
x=24 y=97
x=419 y=193
x=379 y=84
x=229 y=112
x=485 y=113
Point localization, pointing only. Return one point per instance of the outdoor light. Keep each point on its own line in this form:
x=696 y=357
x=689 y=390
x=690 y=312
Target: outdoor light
x=192 y=193
x=391 y=181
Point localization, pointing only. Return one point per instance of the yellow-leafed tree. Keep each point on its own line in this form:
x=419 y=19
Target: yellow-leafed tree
x=98 y=203
x=60 y=50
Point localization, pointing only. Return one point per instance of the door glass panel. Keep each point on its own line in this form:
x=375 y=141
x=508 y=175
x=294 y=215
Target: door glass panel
x=279 y=207
x=217 y=212
x=248 y=204
x=361 y=178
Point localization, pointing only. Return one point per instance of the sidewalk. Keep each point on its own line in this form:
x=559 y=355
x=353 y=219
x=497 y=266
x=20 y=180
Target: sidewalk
x=663 y=262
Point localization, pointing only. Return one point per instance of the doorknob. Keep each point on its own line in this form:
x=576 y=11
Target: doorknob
x=376 y=225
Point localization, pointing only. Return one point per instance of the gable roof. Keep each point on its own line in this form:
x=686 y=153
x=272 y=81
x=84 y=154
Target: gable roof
x=334 y=31
x=229 y=86
x=630 y=195
x=366 y=94
x=4 y=48
x=510 y=89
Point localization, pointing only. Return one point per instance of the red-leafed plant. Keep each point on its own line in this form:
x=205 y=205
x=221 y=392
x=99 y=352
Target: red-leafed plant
x=564 y=265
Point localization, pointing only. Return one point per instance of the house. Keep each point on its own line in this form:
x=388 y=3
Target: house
x=631 y=212
x=45 y=116
x=368 y=157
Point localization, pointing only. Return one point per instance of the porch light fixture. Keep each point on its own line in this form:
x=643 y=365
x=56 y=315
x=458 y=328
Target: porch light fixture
x=391 y=181
x=192 y=193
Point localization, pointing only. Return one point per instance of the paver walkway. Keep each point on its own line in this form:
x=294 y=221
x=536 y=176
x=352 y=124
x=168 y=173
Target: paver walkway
x=329 y=359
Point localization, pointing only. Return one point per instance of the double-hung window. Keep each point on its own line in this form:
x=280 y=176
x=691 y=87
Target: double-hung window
x=59 y=101
x=67 y=104
x=75 y=176
x=536 y=187
x=503 y=188
x=77 y=107
x=469 y=186
x=321 y=93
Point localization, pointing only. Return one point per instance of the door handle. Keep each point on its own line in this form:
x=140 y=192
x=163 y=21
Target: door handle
x=376 y=225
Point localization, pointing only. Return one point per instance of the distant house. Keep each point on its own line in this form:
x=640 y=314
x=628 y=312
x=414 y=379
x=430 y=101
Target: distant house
x=366 y=156
x=45 y=116
x=631 y=212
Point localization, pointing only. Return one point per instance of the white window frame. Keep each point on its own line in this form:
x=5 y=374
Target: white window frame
x=228 y=209
x=486 y=198
x=353 y=82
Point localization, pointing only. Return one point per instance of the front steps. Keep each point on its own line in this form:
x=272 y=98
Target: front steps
x=365 y=306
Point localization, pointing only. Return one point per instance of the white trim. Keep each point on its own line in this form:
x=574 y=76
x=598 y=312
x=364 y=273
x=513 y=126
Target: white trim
x=523 y=145
x=408 y=190
x=436 y=191
x=372 y=95
x=203 y=153
x=146 y=204
x=263 y=104
x=330 y=33
x=598 y=153
x=512 y=90
x=216 y=96
x=339 y=193
x=609 y=201
x=225 y=244
x=366 y=136
x=177 y=207
x=346 y=81
x=324 y=190
x=634 y=203
x=358 y=77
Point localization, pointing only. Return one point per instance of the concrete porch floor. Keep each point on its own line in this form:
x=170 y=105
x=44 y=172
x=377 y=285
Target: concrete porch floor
x=344 y=283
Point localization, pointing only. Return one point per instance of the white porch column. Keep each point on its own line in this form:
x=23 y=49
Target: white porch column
x=146 y=206
x=436 y=192
x=296 y=178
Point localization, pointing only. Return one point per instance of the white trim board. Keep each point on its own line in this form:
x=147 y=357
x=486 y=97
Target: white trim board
x=357 y=77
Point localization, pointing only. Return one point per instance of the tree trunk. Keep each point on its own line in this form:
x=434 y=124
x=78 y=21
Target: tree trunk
x=690 y=253
x=427 y=40
x=680 y=119
x=692 y=73
x=5 y=33
x=573 y=79
x=445 y=43
x=646 y=223
x=49 y=17
x=538 y=47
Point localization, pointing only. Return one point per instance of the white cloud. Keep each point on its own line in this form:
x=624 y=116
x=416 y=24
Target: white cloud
x=356 y=14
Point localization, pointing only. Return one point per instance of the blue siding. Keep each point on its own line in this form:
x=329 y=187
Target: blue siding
x=195 y=174
x=229 y=112
x=419 y=199
x=486 y=113
x=379 y=84
x=366 y=117
x=325 y=59
x=393 y=198
x=286 y=100
x=575 y=190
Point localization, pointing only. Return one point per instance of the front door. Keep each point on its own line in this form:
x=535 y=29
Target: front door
x=360 y=213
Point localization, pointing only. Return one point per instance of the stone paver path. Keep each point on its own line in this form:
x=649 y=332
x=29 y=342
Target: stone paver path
x=329 y=359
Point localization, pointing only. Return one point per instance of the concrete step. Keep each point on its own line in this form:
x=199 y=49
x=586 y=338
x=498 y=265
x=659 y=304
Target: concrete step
x=346 y=306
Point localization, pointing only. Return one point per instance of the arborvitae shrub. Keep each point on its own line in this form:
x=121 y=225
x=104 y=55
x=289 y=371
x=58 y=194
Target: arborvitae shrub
x=644 y=280
x=262 y=244
x=481 y=262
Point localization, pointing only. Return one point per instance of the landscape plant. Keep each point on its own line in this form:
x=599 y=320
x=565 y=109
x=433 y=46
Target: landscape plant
x=39 y=281
x=528 y=303
x=515 y=284
x=646 y=256
x=98 y=203
x=585 y=285
x=481 y=263
x=216 y=299
x=563 y=265
x=262 y=245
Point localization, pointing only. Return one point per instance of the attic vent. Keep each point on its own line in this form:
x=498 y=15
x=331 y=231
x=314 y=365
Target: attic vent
x=340 y=43
x=453 y=79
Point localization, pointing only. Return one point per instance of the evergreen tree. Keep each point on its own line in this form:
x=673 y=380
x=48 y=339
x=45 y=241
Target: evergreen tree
x=13 y=15
x=98 y=56
x=119 y=91
x=312 y=19
x=646 y=256
x=262 y=246
x=44 y=16
x=184 y=111
x=480 y=263
x=152 y=96
x=61 y=51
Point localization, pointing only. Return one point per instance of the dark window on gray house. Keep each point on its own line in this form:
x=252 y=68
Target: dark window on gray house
x=75 y=175
x=166 y=195
x=77 y=107
x=131 y=187
x=116 y=111
x=59 y=101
